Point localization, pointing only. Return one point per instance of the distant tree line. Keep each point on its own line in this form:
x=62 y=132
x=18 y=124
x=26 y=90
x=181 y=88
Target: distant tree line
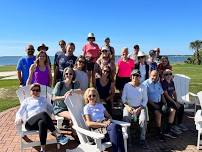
x=196 y=57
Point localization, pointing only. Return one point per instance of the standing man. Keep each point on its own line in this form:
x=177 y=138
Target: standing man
x=62 y=51
x=24 y=64
x=156 y=100
x=112 y=51
x=135 y=53
x=158 y=56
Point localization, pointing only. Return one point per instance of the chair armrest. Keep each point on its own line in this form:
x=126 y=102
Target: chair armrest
x=121 y=123
x=193 y=94
x=89 y=133
x=19 y=128
x=59 y=121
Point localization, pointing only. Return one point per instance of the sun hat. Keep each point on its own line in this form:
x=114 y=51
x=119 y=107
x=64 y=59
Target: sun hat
x=135 y=71
x=91 y=35
x=140 y=53
x=42 y=46
x=105 y=48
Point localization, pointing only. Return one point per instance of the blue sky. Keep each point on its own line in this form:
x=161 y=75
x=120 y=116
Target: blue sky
x=168 y=24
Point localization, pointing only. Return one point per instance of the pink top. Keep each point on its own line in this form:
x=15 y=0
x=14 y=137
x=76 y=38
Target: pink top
x=91 y=51
x=41 y=77
x=125 y=67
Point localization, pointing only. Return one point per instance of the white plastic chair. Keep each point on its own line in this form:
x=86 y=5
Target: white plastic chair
x=75 y=105
x=198 y=121
x=22 y=94
x=183 y=95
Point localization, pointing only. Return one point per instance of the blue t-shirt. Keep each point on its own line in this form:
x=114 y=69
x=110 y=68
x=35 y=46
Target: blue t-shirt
x=23 y=65
x=96 y=111
x=169 y=87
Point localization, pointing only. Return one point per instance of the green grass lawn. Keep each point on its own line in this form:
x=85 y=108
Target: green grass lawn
x=7 y=68
x=9 y=99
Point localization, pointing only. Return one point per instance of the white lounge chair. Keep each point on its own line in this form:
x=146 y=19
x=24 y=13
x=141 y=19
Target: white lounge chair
x=22 y=94
x=198 y=121
x=75 y=105
x=183 y=95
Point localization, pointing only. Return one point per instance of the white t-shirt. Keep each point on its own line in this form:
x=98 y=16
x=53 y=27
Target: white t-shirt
x=135 y=96
x=96 y=111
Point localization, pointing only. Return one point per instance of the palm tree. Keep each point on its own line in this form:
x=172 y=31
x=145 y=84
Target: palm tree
x=196 y=45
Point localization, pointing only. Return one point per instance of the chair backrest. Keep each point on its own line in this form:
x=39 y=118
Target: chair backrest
x=24 y=92
x=199 y=94
x=75 y=106
x=182 y=87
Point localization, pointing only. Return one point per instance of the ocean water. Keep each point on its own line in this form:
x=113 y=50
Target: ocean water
x=12 y=60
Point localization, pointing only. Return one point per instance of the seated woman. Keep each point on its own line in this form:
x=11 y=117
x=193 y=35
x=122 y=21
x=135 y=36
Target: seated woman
x=96 y=117
x=40 y=71
x=35 y=113
x=63 y=89
x=80 y=70
x=105 y=88
x=171 y=98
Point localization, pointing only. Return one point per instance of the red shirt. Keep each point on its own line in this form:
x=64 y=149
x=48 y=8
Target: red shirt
x=91 y=51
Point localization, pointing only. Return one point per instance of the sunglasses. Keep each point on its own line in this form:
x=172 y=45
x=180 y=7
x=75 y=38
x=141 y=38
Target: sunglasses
x=92 y=96
x=35 y=90
x=30 y=49
x=68 y=74
x=80 y=61
x=136 y=75
x=168 y=74
x=106 y=71
x=104 y=51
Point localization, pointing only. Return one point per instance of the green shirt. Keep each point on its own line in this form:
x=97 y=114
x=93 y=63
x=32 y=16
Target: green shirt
x=59 y=90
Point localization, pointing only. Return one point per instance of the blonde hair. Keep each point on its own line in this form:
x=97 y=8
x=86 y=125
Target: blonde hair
x=37 y=58
x=85 y=96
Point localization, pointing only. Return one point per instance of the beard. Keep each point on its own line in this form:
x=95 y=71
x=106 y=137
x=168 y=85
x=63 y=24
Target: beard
x=30 y=53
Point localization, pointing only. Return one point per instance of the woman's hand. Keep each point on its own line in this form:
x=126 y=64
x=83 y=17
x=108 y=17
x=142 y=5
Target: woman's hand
x=107 y=122
x=68 y=93
x=18 y=122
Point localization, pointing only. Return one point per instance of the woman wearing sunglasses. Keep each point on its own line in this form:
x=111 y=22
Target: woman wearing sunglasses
x=80 y=71
x=96 y=117
x=105 y=59
x=164 y=64
x=105 y=88
x=35 y=112
x=63 y=89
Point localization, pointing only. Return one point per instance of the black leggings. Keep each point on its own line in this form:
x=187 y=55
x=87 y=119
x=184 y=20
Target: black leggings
x=41 y=122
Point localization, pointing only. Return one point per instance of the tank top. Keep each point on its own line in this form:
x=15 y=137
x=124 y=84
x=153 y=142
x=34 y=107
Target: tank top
x=41 y=77
x=103 y=90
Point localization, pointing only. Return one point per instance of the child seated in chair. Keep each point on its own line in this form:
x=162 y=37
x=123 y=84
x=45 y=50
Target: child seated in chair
x=35 y=113
x=97 y=118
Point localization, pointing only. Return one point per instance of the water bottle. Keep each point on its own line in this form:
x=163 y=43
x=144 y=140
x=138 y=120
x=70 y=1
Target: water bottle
x=134 y=118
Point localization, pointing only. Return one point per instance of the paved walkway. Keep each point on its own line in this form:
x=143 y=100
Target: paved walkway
x=9 y=140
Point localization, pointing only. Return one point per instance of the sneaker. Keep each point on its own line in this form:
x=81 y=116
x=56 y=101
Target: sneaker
x=175 y=131
x=162 y=138
x=183 y=127
x=170 y=135
x=62 y=139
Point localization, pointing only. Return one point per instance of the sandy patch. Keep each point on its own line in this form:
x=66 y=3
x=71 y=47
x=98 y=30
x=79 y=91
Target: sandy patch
x=7 y=93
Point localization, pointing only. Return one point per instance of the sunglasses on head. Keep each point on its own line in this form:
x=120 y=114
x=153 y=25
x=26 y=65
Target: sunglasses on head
x=168 y=74
x=92 y=96
x=68 y=74
x=36 y=90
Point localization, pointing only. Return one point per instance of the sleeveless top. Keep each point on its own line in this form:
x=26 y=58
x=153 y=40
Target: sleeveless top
x=41 y=77
x=103 y=90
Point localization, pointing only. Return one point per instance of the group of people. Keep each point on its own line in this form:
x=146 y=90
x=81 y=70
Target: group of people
x=142 y=82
